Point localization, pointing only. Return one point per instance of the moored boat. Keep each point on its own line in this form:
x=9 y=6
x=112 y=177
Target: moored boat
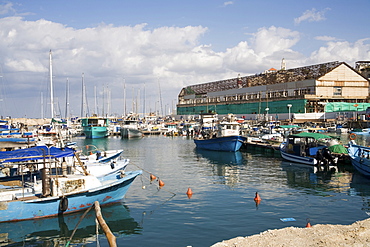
x=308 y=148
x=226 y=137
x=360 y=158
x=60 y=190
x=95 y=127
x=129 y=127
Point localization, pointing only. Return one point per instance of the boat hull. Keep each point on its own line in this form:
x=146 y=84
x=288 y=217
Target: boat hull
x=33 y=208
x=359 y=158
x=226 y=143
x=131 y=133
x=95 y=132
x=296 y=158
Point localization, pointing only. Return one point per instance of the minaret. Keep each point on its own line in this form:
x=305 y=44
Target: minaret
x=283 y=65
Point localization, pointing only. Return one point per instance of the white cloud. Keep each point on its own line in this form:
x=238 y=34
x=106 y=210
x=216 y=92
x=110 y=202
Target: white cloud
x=138 y=55
x=325 y=38
x=311 y=16
x=6 y=9
x=228 y=3
x=342 y=51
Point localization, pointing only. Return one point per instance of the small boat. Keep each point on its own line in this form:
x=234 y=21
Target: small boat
x=95 y=127
x=103 y=163
x=360 y=158
x=130 y=127
x=226 y=137
x=60 y=191
x=308 y=148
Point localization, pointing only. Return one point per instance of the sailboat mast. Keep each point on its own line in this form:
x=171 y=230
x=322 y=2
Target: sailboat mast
x=51 y=85
x=95 y=101
x=67 y=99
x=124 y=98
x=83 y=96
x=160 y=97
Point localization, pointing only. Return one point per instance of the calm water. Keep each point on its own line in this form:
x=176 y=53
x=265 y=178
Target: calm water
x=222 y=205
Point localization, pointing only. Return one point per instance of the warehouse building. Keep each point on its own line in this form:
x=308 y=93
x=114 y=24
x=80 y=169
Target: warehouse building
x=321 y=88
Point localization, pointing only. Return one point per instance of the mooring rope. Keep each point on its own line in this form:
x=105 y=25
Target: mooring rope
x=159 y=187
x=78 y=223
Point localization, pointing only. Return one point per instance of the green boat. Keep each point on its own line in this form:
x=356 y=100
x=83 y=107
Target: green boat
x=95 y=127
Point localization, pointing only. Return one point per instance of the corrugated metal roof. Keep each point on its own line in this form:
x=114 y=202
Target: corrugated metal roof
x=280 y=76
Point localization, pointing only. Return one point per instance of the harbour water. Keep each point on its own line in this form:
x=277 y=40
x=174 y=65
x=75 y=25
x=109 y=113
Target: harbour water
x=221 y=207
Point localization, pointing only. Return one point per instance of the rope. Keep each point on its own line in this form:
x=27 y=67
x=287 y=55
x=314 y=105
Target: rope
x=150 y=180
x=74 y=230
x=97 y=232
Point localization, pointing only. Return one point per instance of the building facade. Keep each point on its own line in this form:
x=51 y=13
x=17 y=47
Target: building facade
x=327 y=87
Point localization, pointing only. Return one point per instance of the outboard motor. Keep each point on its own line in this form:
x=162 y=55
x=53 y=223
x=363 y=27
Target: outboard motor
x=327 y=155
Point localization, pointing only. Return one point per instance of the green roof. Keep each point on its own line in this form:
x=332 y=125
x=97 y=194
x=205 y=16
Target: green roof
x=289 y=126
x=316 y=136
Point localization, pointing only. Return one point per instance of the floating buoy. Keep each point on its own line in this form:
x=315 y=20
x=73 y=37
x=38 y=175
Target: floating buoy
x=257 y=198
x=161 y=184
x=189 y=193
x=308 y=223
x=152 y=177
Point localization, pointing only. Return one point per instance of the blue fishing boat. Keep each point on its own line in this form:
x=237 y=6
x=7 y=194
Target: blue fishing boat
x=226 y=137
x=57 y=192
x=360 y=158
x=95 y=127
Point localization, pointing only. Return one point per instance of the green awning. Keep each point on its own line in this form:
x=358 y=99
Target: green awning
x=316 y=136
x=289 y=126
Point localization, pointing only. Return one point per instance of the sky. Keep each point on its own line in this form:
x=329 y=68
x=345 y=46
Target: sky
x=137 y=55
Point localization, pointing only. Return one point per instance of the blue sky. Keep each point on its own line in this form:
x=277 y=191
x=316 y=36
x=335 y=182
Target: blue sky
x=155 y=48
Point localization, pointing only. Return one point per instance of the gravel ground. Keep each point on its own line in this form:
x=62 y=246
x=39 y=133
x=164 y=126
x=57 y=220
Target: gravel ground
x=355 y=235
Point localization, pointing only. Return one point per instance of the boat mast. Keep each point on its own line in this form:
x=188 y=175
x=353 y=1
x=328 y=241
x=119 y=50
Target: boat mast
x=95 y=101
x=124 y=97
x=144 y=102
x=67 y=99
x=160 y=97
x=51 y=85
x=83 y=95
x=42 y=106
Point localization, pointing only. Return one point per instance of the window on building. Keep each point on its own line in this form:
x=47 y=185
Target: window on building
x=337 y=91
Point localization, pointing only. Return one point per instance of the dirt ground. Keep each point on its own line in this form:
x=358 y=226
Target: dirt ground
x=355 y=235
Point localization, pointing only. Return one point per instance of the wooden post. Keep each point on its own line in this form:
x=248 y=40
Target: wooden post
x=111 y=238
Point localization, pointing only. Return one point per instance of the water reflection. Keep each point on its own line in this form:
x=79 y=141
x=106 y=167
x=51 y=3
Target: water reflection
x=360 y=186
x=221 y=158
x=48 y=230
x=306 y=177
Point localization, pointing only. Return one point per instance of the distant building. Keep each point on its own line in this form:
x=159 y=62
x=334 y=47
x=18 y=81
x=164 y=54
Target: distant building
x=329 y=87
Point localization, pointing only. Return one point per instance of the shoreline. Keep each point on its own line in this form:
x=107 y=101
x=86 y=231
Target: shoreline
x=357 y=234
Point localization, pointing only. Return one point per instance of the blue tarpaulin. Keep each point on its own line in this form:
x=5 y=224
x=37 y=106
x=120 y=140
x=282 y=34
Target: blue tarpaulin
x=35 y=153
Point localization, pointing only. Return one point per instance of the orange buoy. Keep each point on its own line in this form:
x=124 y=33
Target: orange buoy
x=152 y=177
x=257 y=198
x=308 y=223
x=161 y=184
x=189 y=192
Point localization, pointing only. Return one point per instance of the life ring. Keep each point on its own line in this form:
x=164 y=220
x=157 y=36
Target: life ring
x=352 y=136
x=63 y=204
